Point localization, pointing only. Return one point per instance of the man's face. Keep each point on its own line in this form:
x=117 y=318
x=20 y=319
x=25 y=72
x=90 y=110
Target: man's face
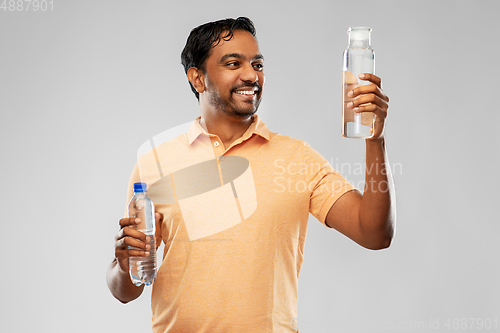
x=234 y=76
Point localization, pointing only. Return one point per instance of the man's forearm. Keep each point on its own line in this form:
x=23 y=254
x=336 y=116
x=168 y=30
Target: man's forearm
x=120 y=285
x=377 y=213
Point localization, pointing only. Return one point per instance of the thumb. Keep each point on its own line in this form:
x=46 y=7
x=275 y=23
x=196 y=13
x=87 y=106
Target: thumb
x=158 y=220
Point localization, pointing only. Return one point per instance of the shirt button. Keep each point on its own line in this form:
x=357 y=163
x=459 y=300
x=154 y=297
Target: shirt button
x=222 y=158
x=216 y=143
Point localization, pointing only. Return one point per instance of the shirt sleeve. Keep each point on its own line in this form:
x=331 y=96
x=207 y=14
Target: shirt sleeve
x=134 y=178
x=326 y=184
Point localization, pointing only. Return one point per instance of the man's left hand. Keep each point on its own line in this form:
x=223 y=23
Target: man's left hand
x=371 y=98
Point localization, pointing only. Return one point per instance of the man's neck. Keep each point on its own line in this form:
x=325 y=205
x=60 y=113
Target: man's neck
x=226 y=128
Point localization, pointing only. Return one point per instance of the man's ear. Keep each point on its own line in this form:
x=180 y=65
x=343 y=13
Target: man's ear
x=197 y=79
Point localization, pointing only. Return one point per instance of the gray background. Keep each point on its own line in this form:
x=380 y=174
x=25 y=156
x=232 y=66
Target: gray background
x=84 y=85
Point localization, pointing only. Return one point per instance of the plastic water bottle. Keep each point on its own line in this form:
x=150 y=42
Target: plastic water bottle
x=143 y=269
x=358 y=58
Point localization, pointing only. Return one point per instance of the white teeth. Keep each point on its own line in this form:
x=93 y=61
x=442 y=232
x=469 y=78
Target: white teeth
x=245 y=92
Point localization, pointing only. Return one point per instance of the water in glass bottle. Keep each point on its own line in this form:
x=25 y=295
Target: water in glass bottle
x=358 y=58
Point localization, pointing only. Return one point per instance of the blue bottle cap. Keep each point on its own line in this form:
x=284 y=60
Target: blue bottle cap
x=140 y=187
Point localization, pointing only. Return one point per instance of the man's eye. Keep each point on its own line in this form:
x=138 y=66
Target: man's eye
x=232 y=64
x=258 y=66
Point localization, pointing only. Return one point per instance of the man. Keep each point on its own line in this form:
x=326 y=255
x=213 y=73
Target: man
x=239 y=272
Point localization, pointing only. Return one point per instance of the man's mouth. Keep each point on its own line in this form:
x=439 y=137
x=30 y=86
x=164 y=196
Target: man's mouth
x=245 y=92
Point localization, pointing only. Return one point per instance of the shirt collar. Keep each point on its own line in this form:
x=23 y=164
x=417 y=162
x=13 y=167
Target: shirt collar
x=257 y=127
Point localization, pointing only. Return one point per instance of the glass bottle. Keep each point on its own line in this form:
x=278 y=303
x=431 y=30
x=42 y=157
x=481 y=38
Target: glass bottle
x=358 y=58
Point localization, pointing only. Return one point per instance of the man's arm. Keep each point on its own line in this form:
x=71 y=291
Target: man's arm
x=369 y=219
x=118 y=278
x=120 y=284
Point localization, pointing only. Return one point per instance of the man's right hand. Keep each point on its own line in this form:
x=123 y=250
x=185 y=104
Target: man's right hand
x=127 y=237
x=118 y=278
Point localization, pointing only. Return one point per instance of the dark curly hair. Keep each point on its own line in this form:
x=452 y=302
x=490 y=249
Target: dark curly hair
x=202 y=39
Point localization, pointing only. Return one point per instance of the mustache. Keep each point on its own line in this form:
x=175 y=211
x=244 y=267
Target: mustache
x=248 y=85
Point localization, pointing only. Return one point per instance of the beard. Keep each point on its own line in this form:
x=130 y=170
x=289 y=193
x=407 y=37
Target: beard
x=231 y=107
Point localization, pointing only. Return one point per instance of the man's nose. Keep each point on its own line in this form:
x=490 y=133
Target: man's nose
x=249 y=74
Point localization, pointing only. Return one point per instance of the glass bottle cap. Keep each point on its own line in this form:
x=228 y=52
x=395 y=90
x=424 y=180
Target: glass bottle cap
x=359 y=33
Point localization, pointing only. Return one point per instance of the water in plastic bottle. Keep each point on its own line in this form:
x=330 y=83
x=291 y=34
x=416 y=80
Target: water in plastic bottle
x=143 y=269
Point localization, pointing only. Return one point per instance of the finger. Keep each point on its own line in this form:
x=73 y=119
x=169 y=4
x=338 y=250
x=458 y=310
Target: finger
x=128 y=247
x=372 y=108
x=368 y=99
x=368 y=89
x=131 y=232
x=127 y=242
x=124 y=254
x=158 y=217
x=129 y=221
x=158 y=220
x=372 y=78
x=376 y=110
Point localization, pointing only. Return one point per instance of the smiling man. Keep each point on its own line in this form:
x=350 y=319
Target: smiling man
x=228 y=83
x=234 y=198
